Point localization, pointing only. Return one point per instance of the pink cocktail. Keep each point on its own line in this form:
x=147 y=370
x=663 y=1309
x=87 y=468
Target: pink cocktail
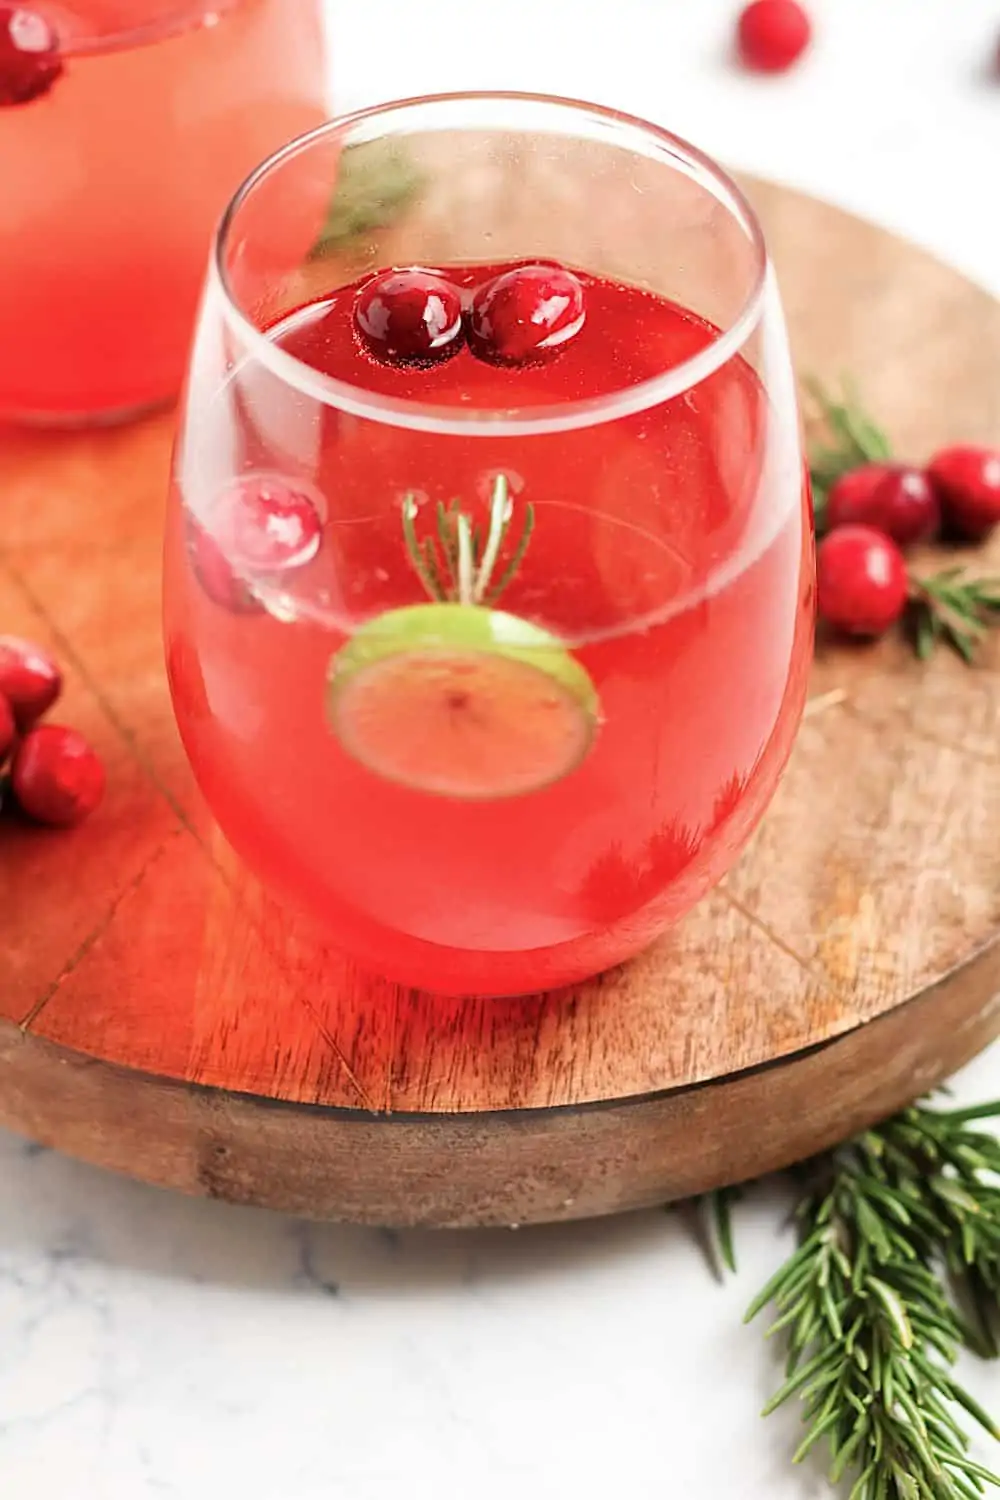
x=114 y=174
x=489 y=650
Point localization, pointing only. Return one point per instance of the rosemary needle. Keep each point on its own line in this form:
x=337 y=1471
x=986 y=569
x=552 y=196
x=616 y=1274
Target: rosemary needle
x=897 y=1266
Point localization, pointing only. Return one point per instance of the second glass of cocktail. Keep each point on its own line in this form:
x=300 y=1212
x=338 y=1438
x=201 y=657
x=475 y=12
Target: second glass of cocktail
x=488 y=571
x=125 y=125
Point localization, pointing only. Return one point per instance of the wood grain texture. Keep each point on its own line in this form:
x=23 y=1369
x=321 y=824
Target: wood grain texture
x=160 y=1013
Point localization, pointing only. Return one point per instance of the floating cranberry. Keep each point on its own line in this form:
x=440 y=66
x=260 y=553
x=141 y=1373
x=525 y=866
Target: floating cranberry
x=216 y=575
x=262 y=525
x=8 y=729
x=861 y=582
x=409 y=317
x=56 y=777
x=29 y=55
x=267 y=524
x=30 y=681
x=906 y=507
x=771 y=35
x=850 y=497
x=525 y=314
x=967 y=481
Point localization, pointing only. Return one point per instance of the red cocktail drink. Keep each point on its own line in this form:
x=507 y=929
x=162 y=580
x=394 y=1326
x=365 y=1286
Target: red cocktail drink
x=489 y=614
x=115 y=172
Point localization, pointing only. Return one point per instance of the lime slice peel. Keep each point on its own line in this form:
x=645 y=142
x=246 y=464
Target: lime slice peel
x=462 y=701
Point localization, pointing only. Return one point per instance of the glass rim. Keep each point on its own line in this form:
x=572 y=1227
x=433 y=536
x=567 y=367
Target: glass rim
x=396 y=411
x=180 y=16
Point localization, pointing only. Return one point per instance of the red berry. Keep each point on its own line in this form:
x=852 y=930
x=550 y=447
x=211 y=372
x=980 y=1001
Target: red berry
x=29 y=55
x=409 y=317
x=8 y=729
x=850 y=498
x=525 y=314
x=261 y=525
x=215 y=574
x=267 y=524
x=861 y=583
x=906 y=507
x=56 y=778
x=967 y=481
x=30 y=681
x=772 y=34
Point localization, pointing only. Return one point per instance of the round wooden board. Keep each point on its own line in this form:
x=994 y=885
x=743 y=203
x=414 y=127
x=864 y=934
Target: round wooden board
x=163 y=1016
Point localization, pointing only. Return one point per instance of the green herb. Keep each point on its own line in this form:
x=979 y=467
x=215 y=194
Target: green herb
x=847 y=439
x=719 y=1231
x=375 y=182
x=952 y=608
x=898 y=1264
x=457 y=562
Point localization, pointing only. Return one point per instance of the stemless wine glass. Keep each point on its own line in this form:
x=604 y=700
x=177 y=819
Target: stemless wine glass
x=125 y=125
x=490 y=661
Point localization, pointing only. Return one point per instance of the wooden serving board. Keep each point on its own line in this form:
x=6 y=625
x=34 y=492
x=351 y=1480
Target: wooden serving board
x=160 y=1014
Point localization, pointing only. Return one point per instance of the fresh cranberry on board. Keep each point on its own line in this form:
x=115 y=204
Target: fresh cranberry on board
x=56 y=777
x=905 y=506
x=526 y=314
x=850 y=497
x=30 y=680
x=8 y=729
x=771 y=35
x=967 y=481
x=29 y=55
x=409 y=317
x=861 y=582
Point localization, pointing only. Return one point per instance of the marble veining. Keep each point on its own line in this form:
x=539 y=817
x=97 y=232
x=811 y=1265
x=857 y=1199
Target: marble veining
x=156 y=1345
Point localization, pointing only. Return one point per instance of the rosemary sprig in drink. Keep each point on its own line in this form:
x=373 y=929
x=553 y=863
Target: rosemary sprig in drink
x=376 y=181
x=457 y=564
x=452 y=697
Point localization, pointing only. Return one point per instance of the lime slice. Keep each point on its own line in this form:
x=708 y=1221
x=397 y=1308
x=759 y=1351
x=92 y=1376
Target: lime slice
x=461 y=701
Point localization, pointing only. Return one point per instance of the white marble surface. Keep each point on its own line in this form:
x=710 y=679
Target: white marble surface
x=151 y=1346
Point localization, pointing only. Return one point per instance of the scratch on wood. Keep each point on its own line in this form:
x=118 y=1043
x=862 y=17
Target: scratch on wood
x=98 y=932
x=919 y=733
x=118 y=724
x=331 y=1041
x=390 y=1061
x=823 y=701
x=779 y=942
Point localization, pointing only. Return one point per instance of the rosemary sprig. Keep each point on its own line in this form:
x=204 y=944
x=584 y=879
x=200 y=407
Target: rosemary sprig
x=376 y=180
x=899 y=1238
x=946 y=608
x=962 y=1167
x=715 y=1211
x=456 y=563
x=952 y=608
x=848 y=438
x=722 y=1201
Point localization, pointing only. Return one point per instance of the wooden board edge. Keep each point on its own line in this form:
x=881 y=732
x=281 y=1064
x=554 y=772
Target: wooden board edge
x=515 y=1167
